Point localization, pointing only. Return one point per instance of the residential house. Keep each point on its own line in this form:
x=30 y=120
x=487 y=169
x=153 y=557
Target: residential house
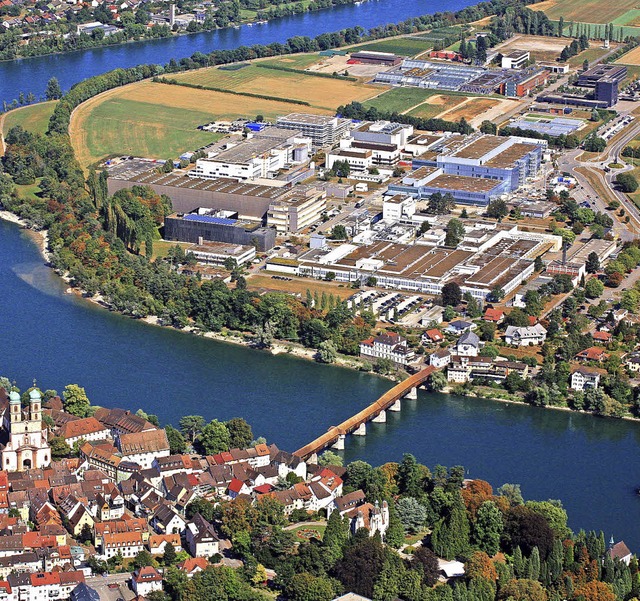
x=143 y=447
x=433 y=336
x=158 y=542
x=440 y=358
x=390 y=346
x=167 y=521
x=525 y=335
x=201 y=537
x=602 y=336
x=127 y=544
x=493 y=315
x=193 y=565
x=593 y=353
x=632 y=362
x=468 y=345
x=88 y=428
x=459 y=327
x=586 y=377
x=146 y=580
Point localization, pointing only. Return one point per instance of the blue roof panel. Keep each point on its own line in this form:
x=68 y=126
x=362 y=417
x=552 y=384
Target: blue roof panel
x=209 y=219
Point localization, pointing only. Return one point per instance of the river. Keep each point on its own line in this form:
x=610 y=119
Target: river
x=588 y=462
x=32 y=74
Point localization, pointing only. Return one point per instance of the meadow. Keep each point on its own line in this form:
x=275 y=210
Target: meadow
x=320 y=92
x=400 y=100
x=33 y=118
x=159 y=121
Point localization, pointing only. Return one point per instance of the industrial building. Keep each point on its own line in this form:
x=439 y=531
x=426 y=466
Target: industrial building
x=369 y=57
x=475 y=168
x=218 y=226
x=297 y=210
x=524 y=82
x=322 y=129
x=517 y=59
x=605 y=80
x=503 y=260
x=262 y=156
x=217 y=253
x=427 y=74
x=552 y=126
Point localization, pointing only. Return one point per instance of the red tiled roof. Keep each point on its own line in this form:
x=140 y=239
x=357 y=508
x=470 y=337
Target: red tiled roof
x=435 y=335
x=493 y=314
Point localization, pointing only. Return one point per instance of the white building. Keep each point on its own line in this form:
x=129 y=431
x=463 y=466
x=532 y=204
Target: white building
x=27 y=445
x=398 y=207
x=390 y=346
x=516 y=59
x=88 y=428
x=143 y=447
x=526 y=335
x=201 y=537
x=440 y=358
x=359 y=160
x=217 y=253
x=468 y=345
x=145 y=581
x=585 y=377
x=322 y=129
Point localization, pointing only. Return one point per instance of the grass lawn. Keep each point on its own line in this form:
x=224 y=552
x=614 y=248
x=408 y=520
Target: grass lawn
x=29 y=191
x=264 y=281
x=590 y=54
x=304 y=533
x=158 y=120
x=33 y=118
x=400 y=99
x=320 y=92
x=408 y=46
x=161 y=247
x=294 y=61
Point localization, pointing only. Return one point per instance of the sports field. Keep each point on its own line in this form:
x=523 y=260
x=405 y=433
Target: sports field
x=158 y=120
x=400 y=100
x=320 y=92
x=588 y=11
x=403 y=46
x=33 y=118
x=436 y=105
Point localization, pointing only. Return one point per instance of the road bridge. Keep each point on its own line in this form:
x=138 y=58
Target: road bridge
x=376 y=412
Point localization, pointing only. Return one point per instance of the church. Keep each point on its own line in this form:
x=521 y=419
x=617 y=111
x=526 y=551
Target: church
x=23 y=436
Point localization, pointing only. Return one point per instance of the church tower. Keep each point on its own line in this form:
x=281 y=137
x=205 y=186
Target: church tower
x=35 y=406
x=15 y=408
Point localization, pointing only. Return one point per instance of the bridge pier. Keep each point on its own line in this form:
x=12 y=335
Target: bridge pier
x=338 y=445
x=412 y=394
x=381 y=418
x=397 y=406
x=361 y=430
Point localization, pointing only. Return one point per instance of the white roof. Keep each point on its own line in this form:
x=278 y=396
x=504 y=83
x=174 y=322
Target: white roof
x=451 y=569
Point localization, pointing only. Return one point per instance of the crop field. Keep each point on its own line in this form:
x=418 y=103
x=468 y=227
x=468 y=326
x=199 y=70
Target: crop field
x=408 y=46
x=33 y=118
x=400 y=100
x=471 y=109
x=158 y=120
x=630 y=58
x=589 y=11
x=436 y=105
x=320 y=92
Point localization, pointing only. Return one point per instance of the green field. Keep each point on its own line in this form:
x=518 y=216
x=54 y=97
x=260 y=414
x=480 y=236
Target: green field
x=294 y=61
x=400 y=99
x=595 y=30
x=590 y=54
x=402 y=46
x=123 y=126
x=631 y=17
x=33 y=118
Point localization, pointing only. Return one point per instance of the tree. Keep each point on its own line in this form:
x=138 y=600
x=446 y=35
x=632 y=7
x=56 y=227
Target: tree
x=177 y=443
x=594 y=591
x=361 y=565
x=451 y=294
x=523 y=590
x=327 y=352
x=437 y=381
x=59 y=447
x=450 y=536
x=339 y=232
x=455 y=232
x=53 y=90
x=306 y=587
x=412 y=514
x=497 y=209
x=75 y=400
x=527 y=529
x=594 y=288
x=169 y=556
x=481 y=566
x=627 y=182
x=330 y=458
x=191 y=426
x=593 y=263
x=143 y=559
x=214 y=438
x=357 y=474
x=426 y=562
x=240 y=433
x=488 y=528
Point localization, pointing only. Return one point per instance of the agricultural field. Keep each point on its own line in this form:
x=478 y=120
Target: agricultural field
x=471 y=109
x=33 y=118
x=436 y=105
x=400 y=100
x=158 y=120
x=589 y=11
x=630 y=58
x=320 y=92
x=408 y=46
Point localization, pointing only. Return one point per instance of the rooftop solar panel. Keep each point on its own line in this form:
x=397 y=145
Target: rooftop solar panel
x=209 y=219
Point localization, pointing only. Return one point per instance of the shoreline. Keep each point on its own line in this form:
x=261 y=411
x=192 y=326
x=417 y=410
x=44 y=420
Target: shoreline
x=278 y=347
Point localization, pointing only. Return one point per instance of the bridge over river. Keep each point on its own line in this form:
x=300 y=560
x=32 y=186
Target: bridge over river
x=376 y=412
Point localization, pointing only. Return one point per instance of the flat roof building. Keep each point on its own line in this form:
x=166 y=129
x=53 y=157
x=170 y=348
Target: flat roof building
x=516 y=59
x=322 y=129
x=369 y=57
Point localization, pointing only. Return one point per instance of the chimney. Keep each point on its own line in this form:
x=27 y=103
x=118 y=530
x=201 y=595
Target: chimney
x=200 y=240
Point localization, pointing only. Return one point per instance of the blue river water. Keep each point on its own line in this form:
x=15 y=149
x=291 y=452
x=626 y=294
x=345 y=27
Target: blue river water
x=32 y=74
x=590 y=463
